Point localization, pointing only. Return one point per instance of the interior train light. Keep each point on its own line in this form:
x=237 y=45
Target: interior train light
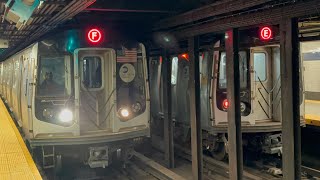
x=94 y=36
x=265 y=33
x=225 y=104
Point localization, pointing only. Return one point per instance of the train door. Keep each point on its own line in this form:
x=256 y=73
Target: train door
x=205 y=68
x=180 y=92
x=261 y=83
x=9 y=82
x=155 y=90
x=95 y=96
x=16 y=89
x=26 y=70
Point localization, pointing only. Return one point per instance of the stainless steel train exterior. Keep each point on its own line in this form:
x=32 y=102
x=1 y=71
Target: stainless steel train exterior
x=73 y=97
x=260 y=96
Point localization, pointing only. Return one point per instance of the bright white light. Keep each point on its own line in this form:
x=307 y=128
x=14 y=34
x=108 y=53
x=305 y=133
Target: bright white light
x=124 y=113
x=65 y=115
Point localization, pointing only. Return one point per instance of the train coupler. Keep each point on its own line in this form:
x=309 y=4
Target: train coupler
x=272 y=144
x=99 y=157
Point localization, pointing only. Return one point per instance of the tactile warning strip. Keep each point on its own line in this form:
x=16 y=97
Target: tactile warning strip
x=15 y=160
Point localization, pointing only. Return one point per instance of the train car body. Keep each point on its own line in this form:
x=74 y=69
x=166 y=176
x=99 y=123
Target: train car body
x=72 y=96
x=260 y=90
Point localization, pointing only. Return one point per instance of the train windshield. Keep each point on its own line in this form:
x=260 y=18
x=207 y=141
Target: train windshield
x=54 y=77
x=243 y=70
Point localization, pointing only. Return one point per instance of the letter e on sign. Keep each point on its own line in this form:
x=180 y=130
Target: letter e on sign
x=94 y=36
x=265 y=33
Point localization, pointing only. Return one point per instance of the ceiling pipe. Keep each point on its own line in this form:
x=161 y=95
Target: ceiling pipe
x=127 y=10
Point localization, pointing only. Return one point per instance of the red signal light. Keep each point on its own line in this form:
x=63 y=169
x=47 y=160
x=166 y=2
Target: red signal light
x=225 y=104
x=186 y=56
x=265 y=33
x=94 y=35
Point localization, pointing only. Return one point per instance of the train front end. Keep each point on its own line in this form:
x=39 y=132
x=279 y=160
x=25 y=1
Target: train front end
x=90 y=97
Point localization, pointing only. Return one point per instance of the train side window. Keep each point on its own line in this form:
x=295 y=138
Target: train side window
x=91 y=72
x=174 y=70
x=260 y=66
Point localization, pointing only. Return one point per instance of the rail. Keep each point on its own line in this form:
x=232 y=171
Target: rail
x=219 y=168
x=311 y=171
x=153 y=167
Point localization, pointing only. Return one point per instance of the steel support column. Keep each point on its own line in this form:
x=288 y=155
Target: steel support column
x=233 y=95
x=195 y=121
x=290 y=99
x=167 y=108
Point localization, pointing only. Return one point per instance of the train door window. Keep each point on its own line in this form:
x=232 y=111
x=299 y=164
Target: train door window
x=243 y=67
x=91 y=72
x=260 y=66
x=174 y=70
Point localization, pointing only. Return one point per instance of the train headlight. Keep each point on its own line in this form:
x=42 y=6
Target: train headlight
x=243 y=107
x=124 y=112
x=65 y=115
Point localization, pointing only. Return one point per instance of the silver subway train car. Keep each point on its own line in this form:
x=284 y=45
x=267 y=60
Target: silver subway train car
x=260 y=90
x=74 y=93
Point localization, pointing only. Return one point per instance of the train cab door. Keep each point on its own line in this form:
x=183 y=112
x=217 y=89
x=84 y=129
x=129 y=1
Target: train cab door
x=261 y=83
x=94 y=97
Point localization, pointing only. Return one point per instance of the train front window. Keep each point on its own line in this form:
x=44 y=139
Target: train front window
x=131 y=89
x=54 y=76
x=243 y=67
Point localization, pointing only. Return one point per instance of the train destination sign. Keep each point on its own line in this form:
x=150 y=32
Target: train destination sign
x=265 y=33
x=94 y=36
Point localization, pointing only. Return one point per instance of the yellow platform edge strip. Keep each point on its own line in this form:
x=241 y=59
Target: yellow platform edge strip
x=312 y=119
x=312 y=101
x=23 y=146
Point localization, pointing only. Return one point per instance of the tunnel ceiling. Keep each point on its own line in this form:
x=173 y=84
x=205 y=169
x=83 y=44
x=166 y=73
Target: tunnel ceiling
x=54 y=13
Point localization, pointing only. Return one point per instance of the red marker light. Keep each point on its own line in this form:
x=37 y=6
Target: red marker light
x=94 y=36
x=186 y=56
x=225 y=104
x=265 y=33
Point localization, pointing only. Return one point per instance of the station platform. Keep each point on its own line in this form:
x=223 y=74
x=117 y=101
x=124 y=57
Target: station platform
x=15 y=160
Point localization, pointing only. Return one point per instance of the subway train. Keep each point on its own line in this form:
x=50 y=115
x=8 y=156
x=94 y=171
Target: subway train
x=260 y=91
x=79 y=93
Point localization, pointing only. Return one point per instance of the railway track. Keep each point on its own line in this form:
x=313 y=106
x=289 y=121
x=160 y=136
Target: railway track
x=138 y=167
x=220 y=170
